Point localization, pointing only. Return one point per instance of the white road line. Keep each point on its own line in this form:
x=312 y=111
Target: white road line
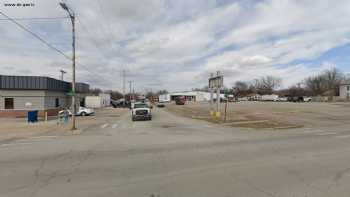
x=45 y=136
x=313 y=131
x=104 y=126
x=14 y=144
x=114 y=126
x=343 y=136
x=327 y=133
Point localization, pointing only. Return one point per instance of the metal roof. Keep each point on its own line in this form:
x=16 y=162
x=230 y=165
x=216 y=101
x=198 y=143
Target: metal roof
x=38 y=83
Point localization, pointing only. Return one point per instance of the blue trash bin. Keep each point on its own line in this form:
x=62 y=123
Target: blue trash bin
x=33 y=116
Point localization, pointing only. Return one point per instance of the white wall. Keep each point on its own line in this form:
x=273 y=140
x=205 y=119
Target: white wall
x=164 y=98
x=21 y=97
x=93 y=101
x=344 y=92
x=103 y=100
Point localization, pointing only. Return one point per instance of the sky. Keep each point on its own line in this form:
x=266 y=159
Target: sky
x=176 y=44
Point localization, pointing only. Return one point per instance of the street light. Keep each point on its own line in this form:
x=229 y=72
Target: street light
x=72 y=17
x=62 y=73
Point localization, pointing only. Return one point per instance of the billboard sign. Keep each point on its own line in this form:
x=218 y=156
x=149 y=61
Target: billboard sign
x=216 y=82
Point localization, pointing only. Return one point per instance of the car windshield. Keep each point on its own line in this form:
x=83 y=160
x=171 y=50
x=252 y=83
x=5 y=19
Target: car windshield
x=140 y=105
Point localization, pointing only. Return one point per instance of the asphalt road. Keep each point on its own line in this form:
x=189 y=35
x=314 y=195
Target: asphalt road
x=172 y=156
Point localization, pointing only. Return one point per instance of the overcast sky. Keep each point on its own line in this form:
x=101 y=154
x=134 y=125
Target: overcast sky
x=174 y=45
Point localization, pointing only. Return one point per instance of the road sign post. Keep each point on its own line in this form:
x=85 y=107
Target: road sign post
x=215 y=83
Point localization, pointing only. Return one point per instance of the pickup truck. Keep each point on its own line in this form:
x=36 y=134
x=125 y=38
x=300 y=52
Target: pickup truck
x=140 y=111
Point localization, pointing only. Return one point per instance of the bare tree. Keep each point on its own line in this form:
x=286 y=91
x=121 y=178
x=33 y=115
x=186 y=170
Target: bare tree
x=95 y=91
x=266 y=85
x=160 y=92
x=241 y=88
x=115 y=95
x=328 y=81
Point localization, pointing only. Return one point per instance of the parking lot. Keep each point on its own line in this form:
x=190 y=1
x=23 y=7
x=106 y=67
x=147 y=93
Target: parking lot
x=276 y=115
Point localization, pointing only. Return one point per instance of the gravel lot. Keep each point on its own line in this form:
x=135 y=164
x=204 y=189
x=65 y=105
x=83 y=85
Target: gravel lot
x=277 y=115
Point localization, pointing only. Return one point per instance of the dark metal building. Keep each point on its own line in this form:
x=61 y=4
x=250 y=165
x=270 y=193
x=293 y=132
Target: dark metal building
x=18 y=94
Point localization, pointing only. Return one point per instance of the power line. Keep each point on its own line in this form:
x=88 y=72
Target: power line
x=43 y=41
x=36 y=36
x=35 y=18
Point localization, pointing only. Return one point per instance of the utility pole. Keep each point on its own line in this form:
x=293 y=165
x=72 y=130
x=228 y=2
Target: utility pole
x=130 y=85
x=211 y=96
x=124 y=87
x=218 y=97
x=72 y=17
x=62 y=73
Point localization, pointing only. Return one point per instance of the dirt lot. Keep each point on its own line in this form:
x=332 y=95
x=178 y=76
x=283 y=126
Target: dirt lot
x=11 y=129
x=274 y=115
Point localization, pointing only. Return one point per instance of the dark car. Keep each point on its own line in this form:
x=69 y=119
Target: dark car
x=180 y=100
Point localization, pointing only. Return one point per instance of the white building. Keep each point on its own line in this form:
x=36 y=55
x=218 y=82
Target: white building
x=344 y=91
x=199 y=96
x=270 y=97
x=102 y=100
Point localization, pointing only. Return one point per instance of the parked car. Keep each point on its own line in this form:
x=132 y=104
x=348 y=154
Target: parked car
x=307 y=99
x=296 y=99
x=140 y=111
x=283 y=99
x=82 y=111
x=119 y=103
x=160 y=104
x=180 y=100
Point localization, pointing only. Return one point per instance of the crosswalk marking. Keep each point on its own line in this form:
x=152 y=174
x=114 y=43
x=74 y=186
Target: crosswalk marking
x=313 y=131
x=47 y=136
x=327 y=133
x=14 y=144
x=343 y=136
x=104 y=126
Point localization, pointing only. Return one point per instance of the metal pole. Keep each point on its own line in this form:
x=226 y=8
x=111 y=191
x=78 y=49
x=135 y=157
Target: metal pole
x=72 y=17
x=130 y=83
x=124 y=87
x=62 y=73
x=73 y=77
x=218 y=102
x=211 y=97
x=225 y=110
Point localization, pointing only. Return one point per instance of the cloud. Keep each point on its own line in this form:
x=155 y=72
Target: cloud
x=177 y=44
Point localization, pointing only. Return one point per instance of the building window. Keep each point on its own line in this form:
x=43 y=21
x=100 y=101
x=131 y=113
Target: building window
x=348 y=87
x=9 y=103
x=57 y=102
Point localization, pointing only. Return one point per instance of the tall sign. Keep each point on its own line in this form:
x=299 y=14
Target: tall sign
x=215 y=83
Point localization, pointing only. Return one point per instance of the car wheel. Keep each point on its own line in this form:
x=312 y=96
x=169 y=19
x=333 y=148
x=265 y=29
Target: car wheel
x=83 y=114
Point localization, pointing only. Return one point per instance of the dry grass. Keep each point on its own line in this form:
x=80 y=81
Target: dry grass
x=270 y=114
